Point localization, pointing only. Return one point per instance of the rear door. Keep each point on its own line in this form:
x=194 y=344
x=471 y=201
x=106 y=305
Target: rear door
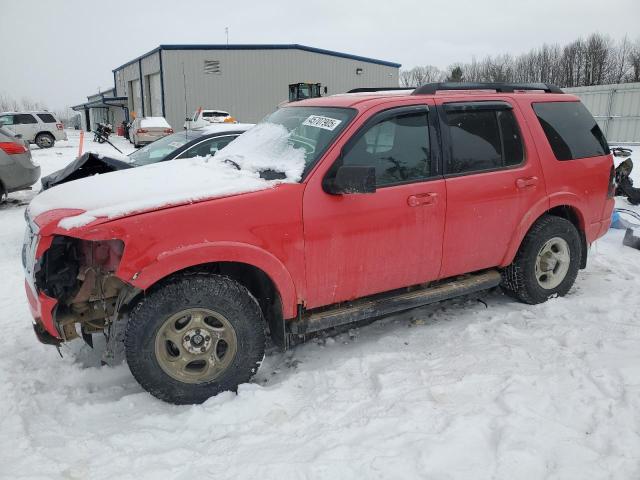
x=493 y=178
x=26 y=125
x=361 y=244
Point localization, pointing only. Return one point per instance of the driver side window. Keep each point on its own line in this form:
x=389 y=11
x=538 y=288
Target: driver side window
x=208 y=147
x=397 y=146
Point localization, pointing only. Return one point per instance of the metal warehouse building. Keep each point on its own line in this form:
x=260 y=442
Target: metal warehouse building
x=249 y=81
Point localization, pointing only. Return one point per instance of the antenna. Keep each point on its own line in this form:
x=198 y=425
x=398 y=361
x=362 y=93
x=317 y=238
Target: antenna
x=186 y=112
x=226 y=31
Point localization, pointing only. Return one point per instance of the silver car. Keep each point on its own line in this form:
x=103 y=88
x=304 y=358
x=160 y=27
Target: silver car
x=17 y=169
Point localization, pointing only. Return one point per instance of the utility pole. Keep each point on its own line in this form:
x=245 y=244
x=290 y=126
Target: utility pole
x=226 y=32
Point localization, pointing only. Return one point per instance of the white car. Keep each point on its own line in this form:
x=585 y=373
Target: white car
x=39 y=127
x=202 y=118
x=148 y=129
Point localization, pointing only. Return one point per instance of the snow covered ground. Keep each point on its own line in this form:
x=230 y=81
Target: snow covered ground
x=459 y=390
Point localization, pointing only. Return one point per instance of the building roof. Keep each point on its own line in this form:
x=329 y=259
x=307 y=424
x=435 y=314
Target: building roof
x=102 y=102
x=289 y=46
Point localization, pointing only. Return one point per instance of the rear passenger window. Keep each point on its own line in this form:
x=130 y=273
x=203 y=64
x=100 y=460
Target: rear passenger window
x=22 y=118
x=571 y=130
x=482 y=138
x=47 y=117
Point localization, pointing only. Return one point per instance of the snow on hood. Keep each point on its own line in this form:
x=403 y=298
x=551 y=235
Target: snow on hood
x=176 y=182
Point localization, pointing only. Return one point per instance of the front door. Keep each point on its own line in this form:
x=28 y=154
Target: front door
x=361 y=244
x=492 y=179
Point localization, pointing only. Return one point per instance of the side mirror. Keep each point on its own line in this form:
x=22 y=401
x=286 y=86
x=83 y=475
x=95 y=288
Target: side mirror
x=351 y=179
x=18 y=135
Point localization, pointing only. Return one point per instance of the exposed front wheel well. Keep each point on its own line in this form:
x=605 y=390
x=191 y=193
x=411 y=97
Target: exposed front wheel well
x=253 y=279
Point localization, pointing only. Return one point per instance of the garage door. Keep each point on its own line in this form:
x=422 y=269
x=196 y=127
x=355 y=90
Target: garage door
x=156 y=95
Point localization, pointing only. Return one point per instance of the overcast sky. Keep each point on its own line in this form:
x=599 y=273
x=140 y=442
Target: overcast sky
x=59 y=52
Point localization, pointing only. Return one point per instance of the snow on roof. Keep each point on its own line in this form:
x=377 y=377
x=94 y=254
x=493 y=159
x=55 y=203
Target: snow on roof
x=177 y=182
x=154 y=122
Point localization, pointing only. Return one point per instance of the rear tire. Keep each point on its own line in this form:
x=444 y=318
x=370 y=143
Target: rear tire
x=45 y=140
x=194 y=337
x=547 y=262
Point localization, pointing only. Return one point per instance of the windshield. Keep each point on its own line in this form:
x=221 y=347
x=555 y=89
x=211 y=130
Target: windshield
x=158 y=150
x=290 y=140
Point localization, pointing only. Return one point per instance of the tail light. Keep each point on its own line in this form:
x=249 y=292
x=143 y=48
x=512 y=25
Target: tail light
x=168 y=130
x=59 y=126
x=142 y=130
x=612 y=183
x=11 y=148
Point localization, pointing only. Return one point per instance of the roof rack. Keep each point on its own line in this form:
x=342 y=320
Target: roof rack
x=432 y=88
x=377 y=89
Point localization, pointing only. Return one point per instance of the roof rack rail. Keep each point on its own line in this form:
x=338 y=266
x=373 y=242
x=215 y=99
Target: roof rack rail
x=377 y=89
x=432 y=88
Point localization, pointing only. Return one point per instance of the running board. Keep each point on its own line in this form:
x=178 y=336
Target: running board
x=393 y=303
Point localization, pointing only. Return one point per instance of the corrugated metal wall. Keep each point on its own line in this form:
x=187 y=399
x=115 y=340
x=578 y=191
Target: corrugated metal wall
x=247 y=83
x=616 y=108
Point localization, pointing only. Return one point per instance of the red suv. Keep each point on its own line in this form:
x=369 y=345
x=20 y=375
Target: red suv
x=359 y=205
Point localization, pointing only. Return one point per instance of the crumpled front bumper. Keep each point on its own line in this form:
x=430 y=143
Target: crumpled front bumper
x=42 y=310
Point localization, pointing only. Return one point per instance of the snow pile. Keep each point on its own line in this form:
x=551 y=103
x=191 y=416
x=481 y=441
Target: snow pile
x=154 y=122
x=177 y=182
x=266 y=147
x=452 y=391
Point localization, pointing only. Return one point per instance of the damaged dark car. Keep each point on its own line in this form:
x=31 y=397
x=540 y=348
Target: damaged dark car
x=188 y=144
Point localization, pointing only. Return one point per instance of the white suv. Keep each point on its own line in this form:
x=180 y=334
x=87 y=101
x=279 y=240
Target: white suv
x=204 y=118
x=41 y=128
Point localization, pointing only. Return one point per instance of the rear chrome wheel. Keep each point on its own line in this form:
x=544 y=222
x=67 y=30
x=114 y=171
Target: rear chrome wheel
x=195 y=345
x=45 y=140
x=547 y=262
x=552 y=263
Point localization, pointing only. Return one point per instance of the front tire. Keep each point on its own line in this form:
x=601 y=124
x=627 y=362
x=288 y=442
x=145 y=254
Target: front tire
x=194 y=337
x=547 y=262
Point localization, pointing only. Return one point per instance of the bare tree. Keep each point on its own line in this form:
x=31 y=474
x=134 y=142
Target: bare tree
x=594 y=61
x=633 y=58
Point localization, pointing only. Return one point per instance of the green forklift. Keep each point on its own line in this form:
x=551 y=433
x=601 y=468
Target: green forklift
x=304 y=90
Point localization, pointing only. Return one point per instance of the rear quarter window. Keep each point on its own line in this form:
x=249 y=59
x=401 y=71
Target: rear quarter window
x=571 y=130
x=47 y=117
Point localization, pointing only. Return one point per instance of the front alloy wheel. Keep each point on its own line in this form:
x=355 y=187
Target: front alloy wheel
x=195 y=345
x=194 y=336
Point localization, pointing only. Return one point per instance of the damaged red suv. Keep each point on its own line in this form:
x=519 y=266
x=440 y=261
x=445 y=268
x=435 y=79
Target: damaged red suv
x=331 y=211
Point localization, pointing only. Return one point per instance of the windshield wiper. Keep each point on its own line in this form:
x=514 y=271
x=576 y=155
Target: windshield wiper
x=228 y=160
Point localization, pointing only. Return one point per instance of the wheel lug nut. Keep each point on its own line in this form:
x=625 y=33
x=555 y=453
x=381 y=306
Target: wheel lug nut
x=197 y=331
x=202 y=349
x=207 y=338
x=187 y=338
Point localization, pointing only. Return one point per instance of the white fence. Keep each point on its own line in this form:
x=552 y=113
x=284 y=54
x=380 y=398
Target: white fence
x=616 y=108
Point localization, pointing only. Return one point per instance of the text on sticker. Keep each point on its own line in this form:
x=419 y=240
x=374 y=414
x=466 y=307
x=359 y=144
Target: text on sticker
x=319 y=121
